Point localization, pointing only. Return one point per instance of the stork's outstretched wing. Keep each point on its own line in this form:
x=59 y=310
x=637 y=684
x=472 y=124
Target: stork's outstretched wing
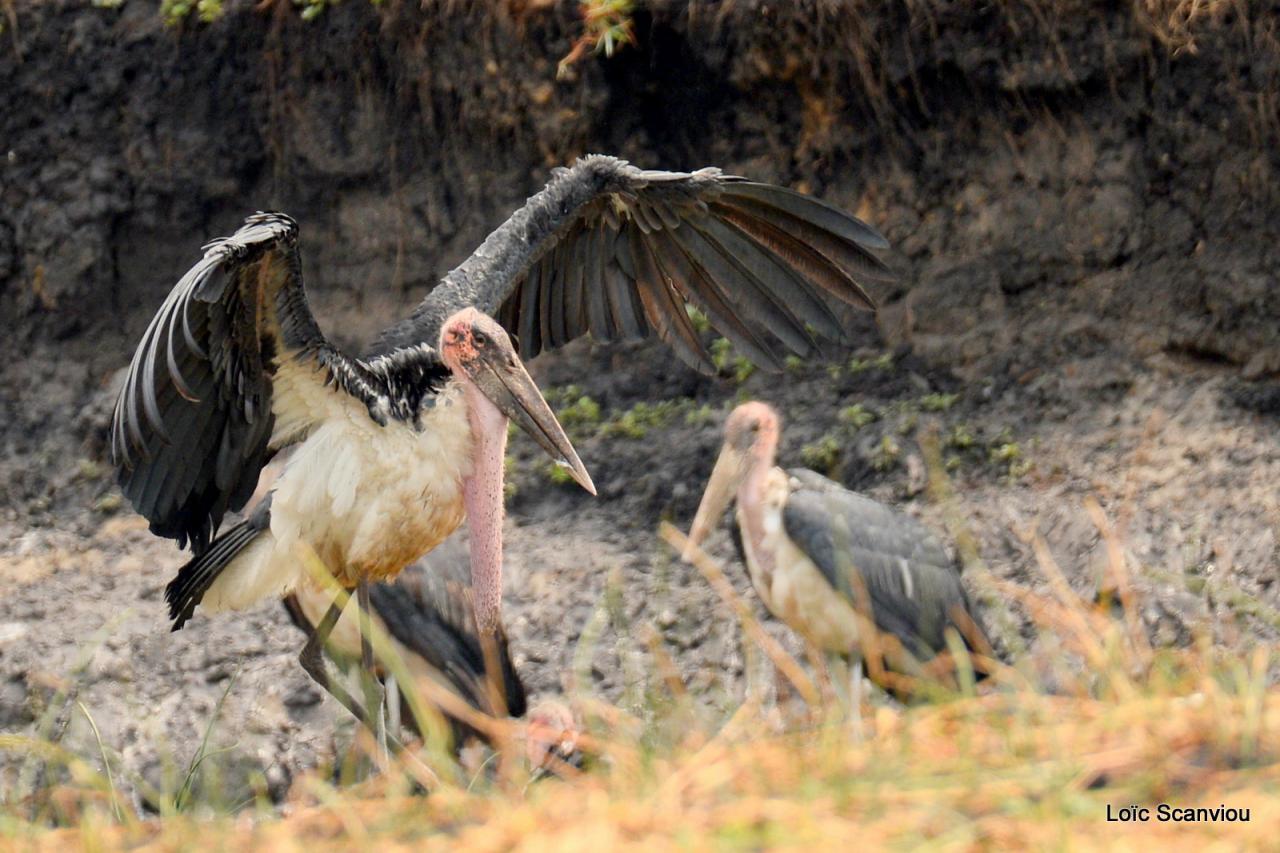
x=619 y=252
x=194 y=422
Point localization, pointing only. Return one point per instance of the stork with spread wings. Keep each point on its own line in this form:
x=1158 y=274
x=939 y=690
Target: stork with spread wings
x=391 y=450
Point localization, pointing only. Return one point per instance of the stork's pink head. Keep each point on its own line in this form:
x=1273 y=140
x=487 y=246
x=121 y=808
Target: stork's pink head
x=479 y=352
x=753 y=426
x=467 y=335
x=551 y=736
x=750 y=443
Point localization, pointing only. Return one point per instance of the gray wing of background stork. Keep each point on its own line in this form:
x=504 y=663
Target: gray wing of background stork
x=620 y=252
x=913 y=586
x=428 y=610
x=192 y=425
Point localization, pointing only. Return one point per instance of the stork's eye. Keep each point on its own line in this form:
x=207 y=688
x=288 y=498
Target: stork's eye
x=480 y=338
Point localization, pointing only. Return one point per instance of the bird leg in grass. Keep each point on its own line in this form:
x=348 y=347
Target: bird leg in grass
x=846 y=680
x=312 y=660
x=855 y=697
x=374 y=693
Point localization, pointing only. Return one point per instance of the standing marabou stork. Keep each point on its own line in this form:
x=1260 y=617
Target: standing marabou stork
x=853 y=577
x=392 y=447
x=428 y=616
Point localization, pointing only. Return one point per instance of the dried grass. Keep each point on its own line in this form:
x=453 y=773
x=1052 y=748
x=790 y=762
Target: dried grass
x=1017 y=764
x=1177 y=23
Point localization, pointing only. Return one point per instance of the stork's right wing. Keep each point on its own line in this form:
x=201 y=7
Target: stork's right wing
x=193 y=424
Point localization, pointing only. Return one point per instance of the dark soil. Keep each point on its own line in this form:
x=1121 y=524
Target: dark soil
x=1082 y=202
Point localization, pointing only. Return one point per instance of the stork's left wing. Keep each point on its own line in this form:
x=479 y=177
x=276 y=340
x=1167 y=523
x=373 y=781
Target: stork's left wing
x=620 y=252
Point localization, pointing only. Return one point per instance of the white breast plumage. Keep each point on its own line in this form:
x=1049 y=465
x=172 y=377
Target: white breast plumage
x=368 y=499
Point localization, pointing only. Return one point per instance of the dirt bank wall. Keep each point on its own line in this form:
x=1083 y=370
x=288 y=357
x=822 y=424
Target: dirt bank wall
x=1060 y=179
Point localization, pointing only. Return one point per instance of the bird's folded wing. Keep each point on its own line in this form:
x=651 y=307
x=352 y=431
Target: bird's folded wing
x=193 y=424
x=621 y=253
x=431 y=616
x=911 y=586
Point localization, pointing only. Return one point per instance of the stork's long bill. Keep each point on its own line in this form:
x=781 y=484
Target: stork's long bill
x=726 y=477
x=497 y=387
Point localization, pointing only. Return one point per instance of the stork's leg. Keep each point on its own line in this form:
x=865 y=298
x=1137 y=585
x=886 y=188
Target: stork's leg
x=392 y=693
x=312 y=660
x=846 y=681
x=855 y=698
x=375 y=695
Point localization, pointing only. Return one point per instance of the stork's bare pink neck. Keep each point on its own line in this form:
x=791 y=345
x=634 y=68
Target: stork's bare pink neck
x=751 y=492
x=482 y=496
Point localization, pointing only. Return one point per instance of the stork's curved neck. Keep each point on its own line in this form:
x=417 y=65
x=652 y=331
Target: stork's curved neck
x=482 y=496
x=760 y=459
x=751 y=491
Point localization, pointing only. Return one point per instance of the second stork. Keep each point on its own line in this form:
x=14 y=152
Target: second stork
x=855 y=578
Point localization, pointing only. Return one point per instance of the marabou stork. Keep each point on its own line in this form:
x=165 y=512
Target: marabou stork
x=856 y=579
x=391 y=448
x=427 y=613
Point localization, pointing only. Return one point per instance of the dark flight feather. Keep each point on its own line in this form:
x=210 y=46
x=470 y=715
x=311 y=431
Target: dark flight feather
x=193 y=580
x=802 y=258
x=765 y=257
x=192 y=426
x=665 y=309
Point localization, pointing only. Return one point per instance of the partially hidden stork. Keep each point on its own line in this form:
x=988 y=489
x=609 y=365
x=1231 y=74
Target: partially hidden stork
x=428 y=616
x=391 y=449
x=858 y=580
